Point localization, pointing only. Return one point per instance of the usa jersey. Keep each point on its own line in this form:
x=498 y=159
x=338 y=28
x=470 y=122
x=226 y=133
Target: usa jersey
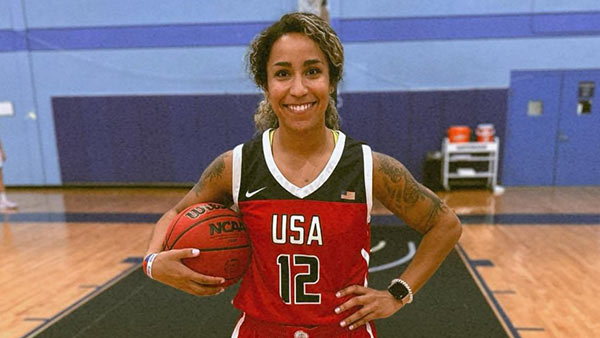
x=307 y=242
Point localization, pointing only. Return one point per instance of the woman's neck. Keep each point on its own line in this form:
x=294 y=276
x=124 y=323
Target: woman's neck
x=304 y=143
x=301 y=157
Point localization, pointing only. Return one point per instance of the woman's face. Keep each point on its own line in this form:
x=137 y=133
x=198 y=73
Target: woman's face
x=298 y=82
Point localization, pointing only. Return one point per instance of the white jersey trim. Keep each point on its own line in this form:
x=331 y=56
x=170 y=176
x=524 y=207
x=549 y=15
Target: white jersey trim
x=236 y=330
x=368 y=162
x=312 y=186
x=236 y=173
x=369 y=330
x=365 y=254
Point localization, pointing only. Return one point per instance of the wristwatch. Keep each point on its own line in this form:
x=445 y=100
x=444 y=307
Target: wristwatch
x=401 y=290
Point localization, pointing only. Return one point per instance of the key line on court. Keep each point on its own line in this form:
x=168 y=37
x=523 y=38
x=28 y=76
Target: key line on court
x=36 y=319
x=530 y=329
x=488 y=292
x=82 y=300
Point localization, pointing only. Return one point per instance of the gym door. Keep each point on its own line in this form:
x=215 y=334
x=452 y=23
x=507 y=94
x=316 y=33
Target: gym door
x=553 y=129
x=578 y=135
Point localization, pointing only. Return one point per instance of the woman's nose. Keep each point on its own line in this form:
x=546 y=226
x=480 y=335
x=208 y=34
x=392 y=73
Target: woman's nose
x=298 y=87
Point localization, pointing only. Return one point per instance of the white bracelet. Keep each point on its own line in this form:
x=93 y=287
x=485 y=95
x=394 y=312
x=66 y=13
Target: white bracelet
x=149 y=260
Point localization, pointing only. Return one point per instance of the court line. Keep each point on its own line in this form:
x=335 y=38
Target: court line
x=378 y=246
x=482 y=262
x=488 y=263
x=531 y=329
x=81 y=217
x=411 y=252
x=510 y=219
x=84 y=299
x=123 y=217
x=536 y=219
x=505 y=219
x=505 y=320
x=107 y=311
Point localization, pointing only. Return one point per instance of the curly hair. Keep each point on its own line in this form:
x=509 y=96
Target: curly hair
x=258 y=54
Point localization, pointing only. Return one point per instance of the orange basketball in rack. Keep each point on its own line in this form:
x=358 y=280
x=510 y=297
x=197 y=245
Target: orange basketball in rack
x=220 y=235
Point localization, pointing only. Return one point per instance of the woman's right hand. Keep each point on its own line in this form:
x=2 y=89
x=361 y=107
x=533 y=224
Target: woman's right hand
x=167 y=268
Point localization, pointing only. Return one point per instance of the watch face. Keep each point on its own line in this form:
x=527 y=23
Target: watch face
x=398 y=290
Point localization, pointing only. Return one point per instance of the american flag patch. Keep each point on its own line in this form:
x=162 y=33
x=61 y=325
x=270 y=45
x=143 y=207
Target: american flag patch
x=348 y=195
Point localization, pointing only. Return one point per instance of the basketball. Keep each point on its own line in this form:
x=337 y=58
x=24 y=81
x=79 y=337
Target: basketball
x=220 y=235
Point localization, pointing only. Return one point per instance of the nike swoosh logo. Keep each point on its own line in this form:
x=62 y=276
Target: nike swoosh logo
x=250 y=194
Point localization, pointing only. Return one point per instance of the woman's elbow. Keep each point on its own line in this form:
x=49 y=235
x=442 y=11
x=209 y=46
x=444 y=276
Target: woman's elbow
x=455 y=229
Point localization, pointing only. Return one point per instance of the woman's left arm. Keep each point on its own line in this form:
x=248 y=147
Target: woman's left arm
x=422 y=210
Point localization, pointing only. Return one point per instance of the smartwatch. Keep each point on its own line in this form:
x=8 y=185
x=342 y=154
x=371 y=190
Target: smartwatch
x=400 y=290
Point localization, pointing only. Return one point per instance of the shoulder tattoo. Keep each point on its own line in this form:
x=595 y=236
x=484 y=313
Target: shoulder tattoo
x=405 y=192
x=213 y=171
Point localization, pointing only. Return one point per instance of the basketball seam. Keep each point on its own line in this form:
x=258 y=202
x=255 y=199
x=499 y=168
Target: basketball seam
x=166 y=243
x=231 y=248
x=195 y=225
x=226 y=248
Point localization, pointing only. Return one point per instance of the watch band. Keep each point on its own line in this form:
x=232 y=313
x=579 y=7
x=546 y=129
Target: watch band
x=401 y=283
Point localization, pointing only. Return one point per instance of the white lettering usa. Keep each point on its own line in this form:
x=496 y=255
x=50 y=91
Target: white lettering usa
x=291 y=229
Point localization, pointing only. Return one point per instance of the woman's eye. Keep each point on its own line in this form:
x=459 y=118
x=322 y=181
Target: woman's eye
x=313 y=71
x=281 y=73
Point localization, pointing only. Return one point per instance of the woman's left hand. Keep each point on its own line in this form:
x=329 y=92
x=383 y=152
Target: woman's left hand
x=374 y=304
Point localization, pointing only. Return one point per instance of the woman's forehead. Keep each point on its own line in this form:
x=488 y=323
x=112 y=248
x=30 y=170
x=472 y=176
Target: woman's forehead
x=295 y=46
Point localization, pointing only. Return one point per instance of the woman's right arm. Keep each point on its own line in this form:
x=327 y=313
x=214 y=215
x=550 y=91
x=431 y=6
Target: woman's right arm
x=213 y=186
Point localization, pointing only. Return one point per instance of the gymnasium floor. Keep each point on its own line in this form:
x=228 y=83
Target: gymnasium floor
x=534 y=252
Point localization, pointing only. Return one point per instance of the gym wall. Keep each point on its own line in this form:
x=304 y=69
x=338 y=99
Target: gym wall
x=115 y=92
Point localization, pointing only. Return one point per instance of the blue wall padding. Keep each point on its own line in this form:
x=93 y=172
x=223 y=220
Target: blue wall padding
x=129 y=139
x=380 y=119
x=407 y=125
x=172 y=138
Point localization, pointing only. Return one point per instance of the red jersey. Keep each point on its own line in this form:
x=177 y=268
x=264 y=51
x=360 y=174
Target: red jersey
x=307 y=243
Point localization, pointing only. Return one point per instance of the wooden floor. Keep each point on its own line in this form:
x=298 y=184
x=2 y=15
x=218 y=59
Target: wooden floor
x=541 y=278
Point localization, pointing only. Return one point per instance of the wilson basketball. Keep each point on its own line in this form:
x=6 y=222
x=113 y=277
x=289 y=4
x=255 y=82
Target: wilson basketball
x=220 y=235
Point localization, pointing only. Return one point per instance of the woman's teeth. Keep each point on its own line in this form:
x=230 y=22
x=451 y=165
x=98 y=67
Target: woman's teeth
x=299 y=107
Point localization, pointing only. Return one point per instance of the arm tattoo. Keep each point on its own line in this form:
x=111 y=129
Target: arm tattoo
x=214 y=170
x=404 y=192
x=438 y=206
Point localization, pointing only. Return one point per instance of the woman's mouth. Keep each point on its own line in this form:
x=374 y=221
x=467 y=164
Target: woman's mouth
x=299 y=108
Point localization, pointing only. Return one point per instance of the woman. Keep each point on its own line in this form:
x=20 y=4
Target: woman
x=5 y=203
x=305 y=191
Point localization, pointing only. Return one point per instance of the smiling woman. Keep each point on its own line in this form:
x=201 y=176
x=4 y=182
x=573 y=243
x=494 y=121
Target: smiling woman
x=305 y=192
x=298 y=82
x=329 y=54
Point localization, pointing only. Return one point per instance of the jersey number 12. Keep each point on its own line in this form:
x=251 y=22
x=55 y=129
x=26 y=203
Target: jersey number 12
x=300 y=280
